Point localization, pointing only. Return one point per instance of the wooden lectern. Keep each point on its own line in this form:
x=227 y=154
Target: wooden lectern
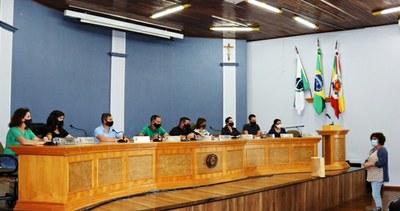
x=334 y=147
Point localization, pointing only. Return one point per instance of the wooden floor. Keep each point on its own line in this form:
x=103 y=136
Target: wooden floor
x=284 y=192
x=366 y=202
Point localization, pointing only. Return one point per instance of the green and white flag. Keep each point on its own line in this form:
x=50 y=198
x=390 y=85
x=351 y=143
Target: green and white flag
x=302 y=85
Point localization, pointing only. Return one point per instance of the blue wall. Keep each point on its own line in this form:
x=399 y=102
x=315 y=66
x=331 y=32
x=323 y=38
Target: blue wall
x=59 y=63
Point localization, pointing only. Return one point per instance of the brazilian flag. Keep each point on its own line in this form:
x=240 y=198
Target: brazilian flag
x=319 y=91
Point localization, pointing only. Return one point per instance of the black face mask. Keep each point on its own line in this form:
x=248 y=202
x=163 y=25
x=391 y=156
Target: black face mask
x=231 y=124
x=204 y=126
x=157 y=125
x=60 y=124
x=187 y=127
x=253 y=124
x=28 y=122
x=110 y=124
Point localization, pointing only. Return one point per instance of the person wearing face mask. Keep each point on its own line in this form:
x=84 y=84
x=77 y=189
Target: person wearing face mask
x=19 y=134
x=183 y=130
x=105 y=132
x=55 y=126
x=377 y=167
x=229 y=129
x=154 y=129
x=252 y=127
x=200 y=127
x=277 y=128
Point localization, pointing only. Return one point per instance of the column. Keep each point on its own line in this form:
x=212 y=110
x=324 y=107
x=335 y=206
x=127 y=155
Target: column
x=117 y=86
x=229 y=79
x=6 y=41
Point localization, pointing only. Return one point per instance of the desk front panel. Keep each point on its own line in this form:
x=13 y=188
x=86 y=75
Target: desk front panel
x=73 y=177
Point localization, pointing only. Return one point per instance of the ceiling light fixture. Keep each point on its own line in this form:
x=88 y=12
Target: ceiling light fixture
x=230 y=28
x=265 y=6
x=116 y=24
x=305 y=22
x=230 y=21
x=387 y=11
x=169 y=11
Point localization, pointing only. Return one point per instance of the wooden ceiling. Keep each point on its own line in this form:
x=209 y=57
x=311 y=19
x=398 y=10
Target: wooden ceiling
x=196 y=20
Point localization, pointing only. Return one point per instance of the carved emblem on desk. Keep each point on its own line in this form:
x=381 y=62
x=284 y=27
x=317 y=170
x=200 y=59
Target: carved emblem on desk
x=212 y=160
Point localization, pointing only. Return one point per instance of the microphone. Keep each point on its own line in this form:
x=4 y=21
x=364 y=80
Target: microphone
x=79 y=129
x=122 y=140
x=329 y=117
x=296 y=126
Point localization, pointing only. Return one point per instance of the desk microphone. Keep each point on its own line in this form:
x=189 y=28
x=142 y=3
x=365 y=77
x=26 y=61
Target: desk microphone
x=122 y=140
x=329 y=117
x=296 y=126
x=79 y=129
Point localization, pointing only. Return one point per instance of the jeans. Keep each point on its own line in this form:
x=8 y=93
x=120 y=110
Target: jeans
x=376 y=193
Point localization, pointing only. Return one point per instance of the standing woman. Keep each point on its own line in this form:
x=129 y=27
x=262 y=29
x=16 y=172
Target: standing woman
x=55 y=126
x=377 y=167
x=277 y=128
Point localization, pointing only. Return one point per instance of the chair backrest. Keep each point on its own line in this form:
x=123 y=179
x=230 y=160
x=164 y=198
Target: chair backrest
x=295 y=133
x=394 y=205
x=39 y=129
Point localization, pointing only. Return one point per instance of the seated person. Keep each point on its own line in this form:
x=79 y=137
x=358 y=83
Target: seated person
x=277 y=128
x=252 y=127
x=154 y=129
x=19 y=134
x=55 y=126
x=229 y=129
x=105 y=132
x=200 y=127
x=183 y=130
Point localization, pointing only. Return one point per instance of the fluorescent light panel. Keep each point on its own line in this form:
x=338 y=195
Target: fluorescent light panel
x=387 y=11
x=226 y=28
x=265 y=6
x=169 y=11
x=107 y=22
x=305 y=22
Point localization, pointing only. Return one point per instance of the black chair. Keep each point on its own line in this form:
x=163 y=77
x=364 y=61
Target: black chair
x=39 y=129
x=10 y=175
x=394 y=205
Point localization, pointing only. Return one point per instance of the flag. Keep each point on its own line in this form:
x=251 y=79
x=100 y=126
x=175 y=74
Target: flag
x=319 y=91
x=301 y=86
x=336 y=88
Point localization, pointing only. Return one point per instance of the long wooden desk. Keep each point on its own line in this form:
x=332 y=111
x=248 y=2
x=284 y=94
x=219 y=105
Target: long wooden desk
x=73 y=177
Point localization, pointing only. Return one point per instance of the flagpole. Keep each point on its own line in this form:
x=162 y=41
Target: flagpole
x=297 y=51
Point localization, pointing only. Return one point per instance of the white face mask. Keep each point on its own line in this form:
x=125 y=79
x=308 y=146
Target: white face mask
x=279 y=126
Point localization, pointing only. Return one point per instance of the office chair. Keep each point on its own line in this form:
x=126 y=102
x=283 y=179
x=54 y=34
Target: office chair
x=9 y=175
x=394 y=205
x=39 y=129
x=295 y=133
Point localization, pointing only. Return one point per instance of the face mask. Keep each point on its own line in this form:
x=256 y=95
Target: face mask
x=157 y=125
x=374 y=143
x=60 y=124
x=204 y=126
x=253 y=124
x=28 y=122
x=187 y=127
x=109 y=124
x=278 y=126
x=231 y=124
